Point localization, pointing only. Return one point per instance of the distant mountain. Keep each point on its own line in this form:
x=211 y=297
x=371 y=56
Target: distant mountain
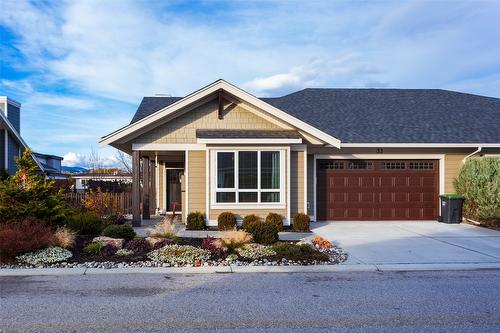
x=75 y=169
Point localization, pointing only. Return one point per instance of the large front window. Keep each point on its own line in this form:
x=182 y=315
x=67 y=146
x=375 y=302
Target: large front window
x=248 y=176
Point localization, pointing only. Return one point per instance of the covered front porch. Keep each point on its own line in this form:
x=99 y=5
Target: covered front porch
x=158 y=184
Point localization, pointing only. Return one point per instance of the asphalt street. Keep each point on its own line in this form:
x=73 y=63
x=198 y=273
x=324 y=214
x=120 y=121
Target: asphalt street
x=456 y=301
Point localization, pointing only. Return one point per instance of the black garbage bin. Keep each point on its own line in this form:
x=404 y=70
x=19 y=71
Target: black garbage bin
x=451 y=208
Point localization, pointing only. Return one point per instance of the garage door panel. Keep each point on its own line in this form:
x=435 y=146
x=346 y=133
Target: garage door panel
x=428 y=181
x=367 y=181
x=415 y=197
x=400 y=181
x=414 y=213
x=386 y=197
x=385 y=181
x=368 y=197
x=400 y=197
x=415 y=181
x=369 y=213
x=338 y=197
x=400 y=189
x=353 y=197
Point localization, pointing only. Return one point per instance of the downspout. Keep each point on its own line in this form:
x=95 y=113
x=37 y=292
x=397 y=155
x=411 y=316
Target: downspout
x=472 y=154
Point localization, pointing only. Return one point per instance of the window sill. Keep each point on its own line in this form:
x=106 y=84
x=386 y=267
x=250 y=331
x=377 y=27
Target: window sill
x=248 y=206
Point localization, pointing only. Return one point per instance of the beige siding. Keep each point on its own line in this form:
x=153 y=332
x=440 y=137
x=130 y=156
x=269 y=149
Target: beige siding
x=197 y=181
x=241 y=213
x=310 y=185
x=296 y=182
x=452 y=164
x=183 y=129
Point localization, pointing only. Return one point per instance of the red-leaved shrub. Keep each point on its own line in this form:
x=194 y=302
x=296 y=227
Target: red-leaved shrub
x=208 y=244
x=24 y=236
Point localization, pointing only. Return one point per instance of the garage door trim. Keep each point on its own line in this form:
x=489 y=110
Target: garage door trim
x=439 y=157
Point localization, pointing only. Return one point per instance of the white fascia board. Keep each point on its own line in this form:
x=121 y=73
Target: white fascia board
x=203 y=92
x=248 y=141
x=167 y=146
x=17 y=136
x=10 y=101
x=421 y=145
x=379 y=156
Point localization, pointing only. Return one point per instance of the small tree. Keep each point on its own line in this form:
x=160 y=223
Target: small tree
x=479 y=183
x=29 y=195
x=99 y=202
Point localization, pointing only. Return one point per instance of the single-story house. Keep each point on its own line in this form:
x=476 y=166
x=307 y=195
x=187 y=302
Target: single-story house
x=108 y=180
x=335 y=154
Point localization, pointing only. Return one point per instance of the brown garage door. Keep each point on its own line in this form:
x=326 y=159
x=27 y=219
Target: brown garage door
x=377 y=189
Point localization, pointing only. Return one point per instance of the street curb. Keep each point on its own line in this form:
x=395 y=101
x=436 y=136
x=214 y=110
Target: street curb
x=250 y=269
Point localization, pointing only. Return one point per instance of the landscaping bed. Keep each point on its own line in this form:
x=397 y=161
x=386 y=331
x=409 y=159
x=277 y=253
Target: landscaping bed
x=39 y=229
x=80 y=259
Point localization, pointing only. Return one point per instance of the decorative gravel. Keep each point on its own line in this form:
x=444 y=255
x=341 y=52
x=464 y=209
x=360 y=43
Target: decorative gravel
x=337 y=256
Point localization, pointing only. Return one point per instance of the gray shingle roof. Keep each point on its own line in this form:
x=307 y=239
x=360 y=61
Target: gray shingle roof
x=384 y=115
x=150 y=105
x=246 y=134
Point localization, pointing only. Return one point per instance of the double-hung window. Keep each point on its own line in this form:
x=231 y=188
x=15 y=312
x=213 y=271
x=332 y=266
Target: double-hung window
x=249 y=177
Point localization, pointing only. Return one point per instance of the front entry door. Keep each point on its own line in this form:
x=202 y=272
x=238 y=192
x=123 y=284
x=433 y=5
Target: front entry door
x=173 y=189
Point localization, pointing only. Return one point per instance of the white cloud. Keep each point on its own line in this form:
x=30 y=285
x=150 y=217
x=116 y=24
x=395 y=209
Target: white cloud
x=63 y=101
x=74 y=159
x=89 y=62
x=126 y=49
x=85 y=160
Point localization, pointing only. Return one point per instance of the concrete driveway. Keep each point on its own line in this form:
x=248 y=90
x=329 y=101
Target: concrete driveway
x=408 y=242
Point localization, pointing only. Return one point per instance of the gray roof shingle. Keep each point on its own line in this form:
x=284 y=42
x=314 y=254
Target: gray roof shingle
x=384 y=115
x=150 y=105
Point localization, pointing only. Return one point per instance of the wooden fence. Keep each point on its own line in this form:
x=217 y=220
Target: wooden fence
x=122 y=201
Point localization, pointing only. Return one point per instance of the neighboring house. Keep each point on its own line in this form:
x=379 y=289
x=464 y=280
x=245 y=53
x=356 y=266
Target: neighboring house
x=12 y=144
x=335 y=154
x=51 y=165
x=108 y=181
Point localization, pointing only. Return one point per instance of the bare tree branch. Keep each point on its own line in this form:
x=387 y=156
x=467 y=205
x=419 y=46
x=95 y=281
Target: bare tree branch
x=94 y=160
x=125 y=160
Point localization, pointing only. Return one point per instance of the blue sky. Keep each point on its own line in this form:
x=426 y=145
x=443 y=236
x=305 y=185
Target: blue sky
x=80 y=68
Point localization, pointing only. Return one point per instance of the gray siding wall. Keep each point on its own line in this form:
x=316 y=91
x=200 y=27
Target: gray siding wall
x=13 y=154
x=2 y=149
x=14 y=116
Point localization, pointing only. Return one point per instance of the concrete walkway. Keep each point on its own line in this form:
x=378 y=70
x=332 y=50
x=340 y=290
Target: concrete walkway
x=413 y=243
x=182 y=232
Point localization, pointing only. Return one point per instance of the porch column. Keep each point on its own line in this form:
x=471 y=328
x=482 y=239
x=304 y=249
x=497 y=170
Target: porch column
x=152 y=187
x=136 y=189
x=145 y=188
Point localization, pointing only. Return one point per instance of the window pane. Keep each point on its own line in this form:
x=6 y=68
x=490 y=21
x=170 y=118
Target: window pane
x=225 y=170
x=270 y=197
x=226 y=197
x=247 y=170
x=248 y=196
x=270 y=169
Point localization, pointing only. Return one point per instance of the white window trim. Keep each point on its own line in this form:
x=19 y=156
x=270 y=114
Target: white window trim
x=246 y=205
